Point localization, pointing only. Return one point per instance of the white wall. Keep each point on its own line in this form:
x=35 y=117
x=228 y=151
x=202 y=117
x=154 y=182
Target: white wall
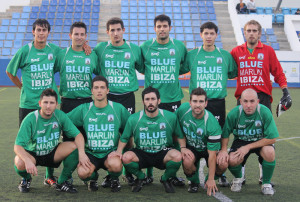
x=273 y=3
x=6 y=4
x=291 y=25
x=264 y=20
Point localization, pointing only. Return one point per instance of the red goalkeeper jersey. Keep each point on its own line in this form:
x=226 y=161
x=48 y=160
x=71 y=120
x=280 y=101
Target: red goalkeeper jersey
x=254 y=69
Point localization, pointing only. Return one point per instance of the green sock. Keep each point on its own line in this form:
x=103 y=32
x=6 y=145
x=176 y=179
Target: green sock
x=70 y=164
x=194 y=178
x=236 y=171
x=171 y=169
x=22 y=173
x=268 y=169
x=49 y=172
x=94 y=176
x=134 y=169
x=149 y=171
x=115 y=176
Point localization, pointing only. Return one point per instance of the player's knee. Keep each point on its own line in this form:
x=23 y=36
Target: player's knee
x=127 y=157
x=83 y=173
x=114 y=165
x=19 y=163
x=175 y=155
x=233 y=161
x=221 y=168
x=268 y=153
x=187 y=163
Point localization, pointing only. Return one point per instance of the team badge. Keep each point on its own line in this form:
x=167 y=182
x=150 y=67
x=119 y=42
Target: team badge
x=50 y=56
x=199 y=131
x=110 y=117
x=162 y=126
x=260 y=56
x=172 y=51
x=219 y=60
x=54 y=125
x=258 y=123
x=87 y=61
x=127 y=55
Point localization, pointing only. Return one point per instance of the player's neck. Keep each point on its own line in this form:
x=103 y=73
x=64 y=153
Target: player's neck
x=252 y=46
x=77 y=48
x=118 y=44
x=209 y=48
x=100 y=103
x=163 y=41
x=40 y=45
x=44 y=116
x=198 y=116
x=151 y=115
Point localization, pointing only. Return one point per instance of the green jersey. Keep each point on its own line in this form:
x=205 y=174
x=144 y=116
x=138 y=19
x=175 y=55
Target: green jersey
x=119 y=64
x=41 y=135
x=76 y=73
x=162 y=66
x=250 y=127
x=102 y=126
x=210 y=71
x=37 y=72
x=152 y=134
x=202 y=134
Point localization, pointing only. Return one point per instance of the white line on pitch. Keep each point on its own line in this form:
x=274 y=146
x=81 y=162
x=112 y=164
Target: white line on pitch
x=289 y=138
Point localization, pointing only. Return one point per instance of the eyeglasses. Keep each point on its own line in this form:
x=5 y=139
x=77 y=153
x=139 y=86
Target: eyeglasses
x=251 y=30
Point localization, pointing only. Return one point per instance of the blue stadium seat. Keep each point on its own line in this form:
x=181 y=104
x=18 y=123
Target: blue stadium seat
x=143 y=37
x=94 y=29
x=158 y=3
x=51 y=22
x=96 y=3
x=133 y=30
x=70 y=3
x=45 y=3
x=176 y=10
x=61 y=9
x=77 y=15
x=143 y=30
x=93 y=44
x=1 y=45
x=7 y=44
x=186 y=17
x=269 y=31
x=293 y=11
x=211 y=10
x=53 y=2
x=2 y=36
x=260 y=10
x=68 y=16
x=125 y=36
x=26 y=42
x=193 y=3
x=209 y=4
x=219 y=44
x=5 y=22
x=17 y=43
x=78 y=9
x=203 y=16
x=176 y=4
x=196 y=22
x=275 y=46
x=87 y=2
x=86 y=22
x=24 y=15
x=57 y=29
x=3 y=29
x=272 y=38
x=273 y=18
x=141 y=3
x=65 y=36
x=185 y=10
x=218 y=37
x=27 y=9
x=64 y=44
x=142 y=22
x=159 y=10
x=268 y=10
x=198 y=37
x=263 y=38
x=179 y=30
x=142 y=9
x=29 y=29
x=23 y=22
x=14 y=51
x=201 y=4
x=14 y=22
x=44 y=9
x=50 y=15
x=124 y=16
x=279 y=18
x=124 y=3
x=13 y=29
x=151 y=10
x=133 y=9
x=86 y=16
x=93 y=37
x=62 y=2
x=194 y=10
x=22 y=29
x=184 y=3
x=202 y=10
x=42 y=15
x=87 y=9
x=285 y=11
x=132 y=3
x=142 y=16
x=212 y=17
x=52 y=9
x=58 y=22
x=133 y=37
x=79 y=2
x=189 y=37
x=180 y=37
x=133 y=23
x=168 y=10
x=188 y=30
x=55 y=42
x=177 y=23
x=177 y=16
x=10 y=36
x=95 y=22
x=16 y=15
x=5 y=51
x=96 y=9
x=195 y=17
x=150 y=16
x=66 y=29
x=70 y=9
x=125 y=9
x=190 y=45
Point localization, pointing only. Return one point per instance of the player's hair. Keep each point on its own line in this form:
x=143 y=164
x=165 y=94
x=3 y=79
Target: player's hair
x=100 y=78
x=150 y=89
x=198 y=91
x=162 y=18
x=77 y=24
x=42 y=23
x=253 y=22
x=209 y=25
x=113 y=21
x=48 y=92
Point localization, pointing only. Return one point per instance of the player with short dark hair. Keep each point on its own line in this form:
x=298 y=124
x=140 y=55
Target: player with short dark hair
x=37 y=143
x=152 y=130
x=254 y=131
x=103 y=121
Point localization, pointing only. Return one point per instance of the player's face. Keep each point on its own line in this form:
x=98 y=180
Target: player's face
x=100 y=90
x=115 y=33
x=48 y=104
x=249 y=101
x=162 y=30
x=198 y=105
x=40 y=34
x=78 y=36
x=209 y=36
x=151 y=102
x=252 y=34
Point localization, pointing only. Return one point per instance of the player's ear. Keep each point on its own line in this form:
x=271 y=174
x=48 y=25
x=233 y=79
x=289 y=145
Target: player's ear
x=159 y=101
x=70 y=36
x=206 y=102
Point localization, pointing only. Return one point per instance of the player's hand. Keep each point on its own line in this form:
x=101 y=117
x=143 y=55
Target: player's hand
x=241 y=152
x=187 y=154
x=31 y=168
x=211 y=187
x=222 y=157
x=87 y=49
x=84 y=160
x=114 y=154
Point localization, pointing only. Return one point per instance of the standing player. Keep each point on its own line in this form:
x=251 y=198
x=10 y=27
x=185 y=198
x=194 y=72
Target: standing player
x=152 y=130
x=163 y=57
x=255 y=62
x=37 y=143
x=102 y=121
x=203 y=135
x=254 y=131
x=210 y=68
x=118 y=60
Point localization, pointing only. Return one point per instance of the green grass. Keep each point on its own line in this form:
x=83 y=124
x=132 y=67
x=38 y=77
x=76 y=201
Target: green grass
x=286 y=175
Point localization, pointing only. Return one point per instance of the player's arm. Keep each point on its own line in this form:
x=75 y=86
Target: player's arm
x=210 y=183
x=83 y=158
x=86 y=48
x=14 y=79
x=25 y=156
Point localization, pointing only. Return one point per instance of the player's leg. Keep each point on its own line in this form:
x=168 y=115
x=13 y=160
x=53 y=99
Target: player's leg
x=90 y=175
x=114 y=166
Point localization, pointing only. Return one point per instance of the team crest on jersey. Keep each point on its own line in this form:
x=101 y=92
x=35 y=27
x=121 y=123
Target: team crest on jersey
x=260 y=56
x=199 y=131
x=258 y=123
x=127 y=55
x=162 y=126
x=172 y=51
x=219 y=60
x=87 y=61
x=54 y=125
x=110 y=117
x=50 y=56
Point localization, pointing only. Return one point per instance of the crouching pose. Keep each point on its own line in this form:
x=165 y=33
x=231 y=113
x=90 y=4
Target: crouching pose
x=254 y=131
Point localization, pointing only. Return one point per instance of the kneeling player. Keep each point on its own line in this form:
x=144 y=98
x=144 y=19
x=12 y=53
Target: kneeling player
x=102 y=120
x=37 y=143
x=152 y=130
x=254 y=131
x=202 y=134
